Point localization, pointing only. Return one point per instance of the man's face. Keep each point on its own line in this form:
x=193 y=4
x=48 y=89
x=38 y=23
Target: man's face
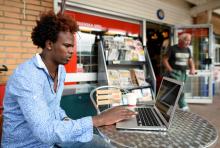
x=186 y=41
x=63 y=48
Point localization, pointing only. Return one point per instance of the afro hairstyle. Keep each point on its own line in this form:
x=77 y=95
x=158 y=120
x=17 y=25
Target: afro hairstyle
x=49 y=26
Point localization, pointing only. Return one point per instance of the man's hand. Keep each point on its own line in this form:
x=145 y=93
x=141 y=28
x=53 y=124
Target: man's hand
x=192 y=72
x=112 y=116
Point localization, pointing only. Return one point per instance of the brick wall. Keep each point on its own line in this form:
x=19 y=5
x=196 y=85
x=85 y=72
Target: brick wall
x=16 y=22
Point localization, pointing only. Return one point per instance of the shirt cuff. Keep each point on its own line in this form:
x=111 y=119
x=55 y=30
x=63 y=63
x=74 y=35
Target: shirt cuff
x=87 y=125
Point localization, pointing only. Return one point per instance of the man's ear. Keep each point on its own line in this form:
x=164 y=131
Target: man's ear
x=48 y=45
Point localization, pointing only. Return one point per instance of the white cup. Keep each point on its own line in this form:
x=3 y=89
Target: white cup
x=131 y=98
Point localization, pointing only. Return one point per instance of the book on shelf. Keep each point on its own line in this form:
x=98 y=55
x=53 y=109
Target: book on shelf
x=133 y=78
x=123 y=48
x=114 y=78
x=127 y=78
x=113 y=54
x=138 y=77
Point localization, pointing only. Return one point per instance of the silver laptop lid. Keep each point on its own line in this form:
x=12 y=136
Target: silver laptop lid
x=167 y=98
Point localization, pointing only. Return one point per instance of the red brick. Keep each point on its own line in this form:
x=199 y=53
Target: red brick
x=26 y=56
x=14 y=4
x=9 y=32
x=2 y=55
x=11 y=66
x=27 y=44
x=2 y=60
x=10 y=61
x=14 y=26
x=9 y=9
x=29 y=39
x=48 y=1
x=31 y=23
x=14 y=50
x=47 y=4
x=26 y=33
x=9 y=72
x=13 y=55
x=9 y=20
x=35 y=2
x=2 y=49
x=35 y=7
x=32 y=12
x=16 y=0
x=1 y=25
x=16 y=38
x=29 y=28
x=32 y=50
x=13 y=15
x=10 y=43
x=19 y=61
x=31 y=18
x=49 y=9
x=3 y=79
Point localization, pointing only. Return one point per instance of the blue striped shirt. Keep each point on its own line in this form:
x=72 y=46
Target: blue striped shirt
x=32 y=114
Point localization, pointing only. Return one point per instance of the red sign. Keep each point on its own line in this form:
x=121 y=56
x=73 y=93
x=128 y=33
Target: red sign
x=99 y=22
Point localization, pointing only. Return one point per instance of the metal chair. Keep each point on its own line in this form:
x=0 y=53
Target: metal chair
x=107 y=96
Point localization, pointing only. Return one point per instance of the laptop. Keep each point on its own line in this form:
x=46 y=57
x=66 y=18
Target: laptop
x=156 y=117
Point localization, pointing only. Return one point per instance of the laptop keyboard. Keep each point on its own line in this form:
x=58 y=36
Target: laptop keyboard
x=145 y=117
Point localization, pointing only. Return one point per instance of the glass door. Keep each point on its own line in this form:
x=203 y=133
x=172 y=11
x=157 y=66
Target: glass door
x=199 y=88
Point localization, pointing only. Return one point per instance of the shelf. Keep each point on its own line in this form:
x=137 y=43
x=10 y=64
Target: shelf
x=138 y=87
x=126 y=62
x=126 y=74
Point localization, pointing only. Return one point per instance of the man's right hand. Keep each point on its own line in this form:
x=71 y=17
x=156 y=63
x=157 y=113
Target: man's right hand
x=112 y=116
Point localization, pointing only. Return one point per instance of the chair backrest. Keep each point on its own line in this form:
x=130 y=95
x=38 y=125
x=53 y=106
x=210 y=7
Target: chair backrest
x=106 y=95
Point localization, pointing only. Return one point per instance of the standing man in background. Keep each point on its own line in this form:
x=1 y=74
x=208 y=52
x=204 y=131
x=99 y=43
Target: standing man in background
x=176 y=61
x=32 y=113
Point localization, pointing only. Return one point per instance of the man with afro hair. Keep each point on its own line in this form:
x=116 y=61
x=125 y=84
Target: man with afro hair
x=32 y=113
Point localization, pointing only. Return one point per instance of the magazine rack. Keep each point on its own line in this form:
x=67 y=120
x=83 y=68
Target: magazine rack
x=108 y=69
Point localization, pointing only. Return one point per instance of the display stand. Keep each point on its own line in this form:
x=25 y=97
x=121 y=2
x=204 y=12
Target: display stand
x=104 y=66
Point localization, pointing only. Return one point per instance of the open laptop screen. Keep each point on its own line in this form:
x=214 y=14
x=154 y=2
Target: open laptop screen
x=166 y=98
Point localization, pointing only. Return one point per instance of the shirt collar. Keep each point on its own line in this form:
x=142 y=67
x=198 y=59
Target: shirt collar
x=40 y=63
